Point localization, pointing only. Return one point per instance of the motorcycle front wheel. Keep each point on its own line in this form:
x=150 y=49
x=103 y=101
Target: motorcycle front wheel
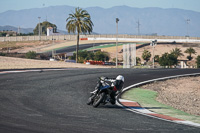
x=90 y=100
x=98 y=99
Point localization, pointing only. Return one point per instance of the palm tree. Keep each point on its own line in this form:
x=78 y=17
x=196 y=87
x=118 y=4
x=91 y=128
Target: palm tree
x=79 y=22
x=190 y=51
x=146 y=55
x=177 y=52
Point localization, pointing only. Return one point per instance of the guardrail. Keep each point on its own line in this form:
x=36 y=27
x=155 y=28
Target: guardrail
x=73 y=37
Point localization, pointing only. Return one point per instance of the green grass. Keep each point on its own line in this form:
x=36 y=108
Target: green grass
x=147 y=98
x=103 y=46
x=107 y=46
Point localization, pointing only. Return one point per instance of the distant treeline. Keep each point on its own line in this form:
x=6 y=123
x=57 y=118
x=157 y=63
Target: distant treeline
x=4 y=34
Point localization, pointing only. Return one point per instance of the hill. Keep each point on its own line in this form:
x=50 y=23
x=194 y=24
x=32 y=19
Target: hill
x=152 y=20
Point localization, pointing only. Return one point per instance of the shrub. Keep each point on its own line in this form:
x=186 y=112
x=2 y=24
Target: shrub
x=168 y=60
x=156 y=58
x=44 y=57
x=101 y=56
x=31 y=55
x=2 y=54
x=198 y=61
x=138 y=60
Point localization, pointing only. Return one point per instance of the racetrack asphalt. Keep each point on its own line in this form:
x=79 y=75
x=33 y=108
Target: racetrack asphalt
x=55 y=102
x=90 y=45
x=85 y=46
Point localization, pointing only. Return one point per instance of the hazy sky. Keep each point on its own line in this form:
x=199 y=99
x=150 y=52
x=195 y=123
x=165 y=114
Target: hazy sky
x=26 y=4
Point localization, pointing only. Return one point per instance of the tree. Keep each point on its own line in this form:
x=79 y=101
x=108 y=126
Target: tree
x=146 y=55
x=43 y=26
x=198 y=61
x=156 y=58
x=168 y=60
x=190 y=51
x=3 y=34
x=101 y=56
x=90 y=56
x=82 y=56
x=177 y=52
x=114 y=60
x=79 y=22
x=138 y=60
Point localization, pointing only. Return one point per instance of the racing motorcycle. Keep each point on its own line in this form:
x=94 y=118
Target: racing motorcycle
x=106 y=90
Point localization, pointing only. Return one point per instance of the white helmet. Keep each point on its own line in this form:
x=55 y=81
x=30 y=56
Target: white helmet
x=119 y=83
x=120 y=77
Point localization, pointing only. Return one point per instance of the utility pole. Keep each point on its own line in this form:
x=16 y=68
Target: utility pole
x=138 y=26
x=39 y=28
x=117 y=20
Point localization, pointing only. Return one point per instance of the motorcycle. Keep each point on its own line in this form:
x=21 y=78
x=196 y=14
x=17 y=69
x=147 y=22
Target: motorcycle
x=103 y=92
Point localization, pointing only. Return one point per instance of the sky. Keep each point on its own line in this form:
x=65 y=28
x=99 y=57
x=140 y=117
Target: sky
x=6 y=5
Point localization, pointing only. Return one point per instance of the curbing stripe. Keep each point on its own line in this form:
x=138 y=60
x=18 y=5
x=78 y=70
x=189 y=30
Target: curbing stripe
x=148 y=113
x=133 y=106
x=166 y=117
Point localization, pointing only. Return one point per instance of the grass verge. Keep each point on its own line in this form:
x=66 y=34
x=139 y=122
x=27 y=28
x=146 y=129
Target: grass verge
x=147 y=99
x=103 y=46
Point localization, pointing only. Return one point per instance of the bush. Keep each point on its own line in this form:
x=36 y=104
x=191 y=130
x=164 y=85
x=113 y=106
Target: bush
x=44 y=57
x=86 y=55
x=2 y=54
x=101 y=56
x=156 y=58
x=168 y=60
x=198 y=61
x=31 y=55
x=138 y=60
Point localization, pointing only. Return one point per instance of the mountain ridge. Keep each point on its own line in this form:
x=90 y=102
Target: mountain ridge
x=162 y=21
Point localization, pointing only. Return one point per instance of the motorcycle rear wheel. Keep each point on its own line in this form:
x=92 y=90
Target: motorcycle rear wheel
x=98 y=99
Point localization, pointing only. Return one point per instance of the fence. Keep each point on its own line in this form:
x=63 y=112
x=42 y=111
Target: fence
x=73 y=37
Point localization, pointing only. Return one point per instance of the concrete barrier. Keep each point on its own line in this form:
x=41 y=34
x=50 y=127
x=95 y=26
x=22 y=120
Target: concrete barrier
x=123 y=37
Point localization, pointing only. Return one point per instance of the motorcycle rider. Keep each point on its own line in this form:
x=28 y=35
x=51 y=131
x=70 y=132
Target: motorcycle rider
x=118 y=86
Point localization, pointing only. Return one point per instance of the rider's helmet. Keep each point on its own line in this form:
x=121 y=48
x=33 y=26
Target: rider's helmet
x=119 y=82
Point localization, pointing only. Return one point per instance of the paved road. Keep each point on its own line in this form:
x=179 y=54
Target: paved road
x=81 y=47
x=55 y=102
x=85 y=46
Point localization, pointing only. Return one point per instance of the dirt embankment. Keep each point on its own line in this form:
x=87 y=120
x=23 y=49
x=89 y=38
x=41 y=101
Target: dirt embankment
x=182 y=93
x=19 y=63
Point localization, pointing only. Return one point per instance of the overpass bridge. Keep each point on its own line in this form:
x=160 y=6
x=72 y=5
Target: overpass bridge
x=106 y=38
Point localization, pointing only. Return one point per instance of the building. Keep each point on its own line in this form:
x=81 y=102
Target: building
x=52 y=32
